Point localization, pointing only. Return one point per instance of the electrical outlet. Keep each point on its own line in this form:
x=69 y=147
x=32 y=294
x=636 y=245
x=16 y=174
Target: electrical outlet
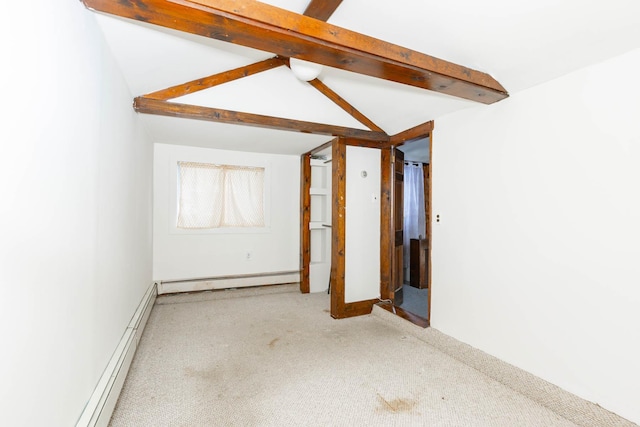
x=248 y=256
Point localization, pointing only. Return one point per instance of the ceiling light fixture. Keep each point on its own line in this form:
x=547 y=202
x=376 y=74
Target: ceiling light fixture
x=305 y=70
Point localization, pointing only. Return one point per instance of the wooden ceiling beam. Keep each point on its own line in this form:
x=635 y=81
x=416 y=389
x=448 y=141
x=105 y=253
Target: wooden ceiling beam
x=261 y=26
x=318 y=9
x=216 y=79
x=173 y=109
x=421 y=131
x=319 y=148
x=321 y=9
x=340 y=102
x=309 y=39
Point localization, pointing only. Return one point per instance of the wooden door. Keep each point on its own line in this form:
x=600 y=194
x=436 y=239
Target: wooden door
x=397 y=266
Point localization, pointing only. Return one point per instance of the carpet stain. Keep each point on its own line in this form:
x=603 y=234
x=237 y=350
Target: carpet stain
x=273 y=342
x=396 y=405
x=212 y=376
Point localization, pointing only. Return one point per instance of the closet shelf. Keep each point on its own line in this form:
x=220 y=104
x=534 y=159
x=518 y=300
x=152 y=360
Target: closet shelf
x=319 y=225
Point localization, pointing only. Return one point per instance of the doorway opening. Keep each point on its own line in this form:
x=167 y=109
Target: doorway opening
x=416 y=228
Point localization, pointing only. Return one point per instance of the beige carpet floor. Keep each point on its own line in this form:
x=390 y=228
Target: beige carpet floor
x=274 y=357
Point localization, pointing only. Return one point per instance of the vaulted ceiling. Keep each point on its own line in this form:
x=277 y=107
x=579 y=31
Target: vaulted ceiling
x=215 y=73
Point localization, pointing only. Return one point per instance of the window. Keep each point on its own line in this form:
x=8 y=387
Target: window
x=220 y=196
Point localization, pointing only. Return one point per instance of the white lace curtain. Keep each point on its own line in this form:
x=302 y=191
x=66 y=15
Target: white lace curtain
x=215 y=196
x=414 y=215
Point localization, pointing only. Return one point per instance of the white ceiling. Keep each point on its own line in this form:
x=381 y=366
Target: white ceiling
x=521 y=44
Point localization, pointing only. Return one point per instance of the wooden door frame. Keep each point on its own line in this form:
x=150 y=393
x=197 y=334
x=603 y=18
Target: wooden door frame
x=339 y=308
x=429 y=215
x=387 y=223
x=305 y=219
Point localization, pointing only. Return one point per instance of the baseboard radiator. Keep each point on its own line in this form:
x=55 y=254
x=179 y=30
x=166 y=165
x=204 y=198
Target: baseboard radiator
x=224 y=282
x=105 y=396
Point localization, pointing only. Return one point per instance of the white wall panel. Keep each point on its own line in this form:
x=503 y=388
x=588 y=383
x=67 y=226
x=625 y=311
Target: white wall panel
x=186 y=254
x=362 y=234
x=535 y=257
x=75 y=212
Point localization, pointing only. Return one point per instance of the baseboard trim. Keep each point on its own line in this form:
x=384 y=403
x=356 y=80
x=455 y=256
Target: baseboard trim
x=224 y=282
x=103 y=401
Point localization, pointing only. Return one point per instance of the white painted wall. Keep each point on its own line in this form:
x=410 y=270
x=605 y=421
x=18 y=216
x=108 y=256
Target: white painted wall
x=362 y=226
x=536 y=255
x=179 y=254
x=75 y=210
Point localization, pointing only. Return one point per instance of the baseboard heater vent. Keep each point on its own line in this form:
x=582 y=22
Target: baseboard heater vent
x=105 y=396
x=224 y=282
